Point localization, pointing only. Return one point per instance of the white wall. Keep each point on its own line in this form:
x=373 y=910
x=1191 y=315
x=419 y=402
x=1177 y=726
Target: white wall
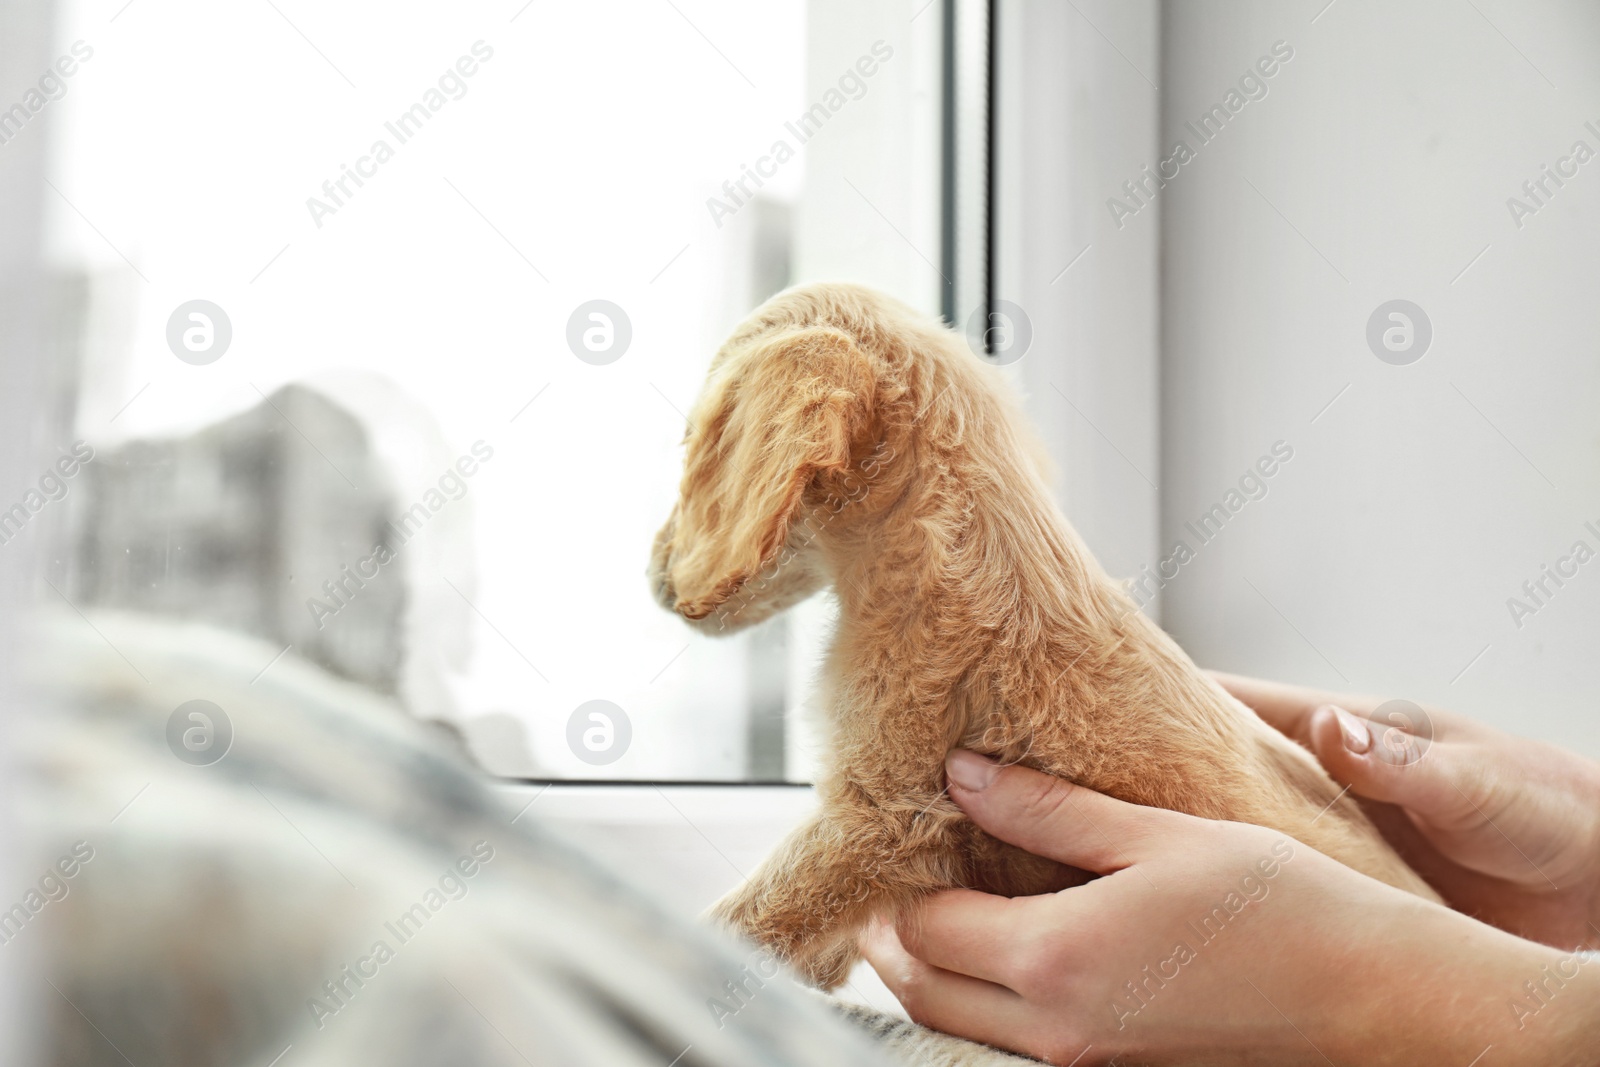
x=1379 y=167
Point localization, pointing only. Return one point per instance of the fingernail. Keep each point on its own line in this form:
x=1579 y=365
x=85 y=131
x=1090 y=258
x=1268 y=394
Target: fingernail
x=1356 y=733
x=969 y=770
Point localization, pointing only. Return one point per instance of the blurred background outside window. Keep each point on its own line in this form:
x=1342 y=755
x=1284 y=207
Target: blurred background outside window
x=339 y=359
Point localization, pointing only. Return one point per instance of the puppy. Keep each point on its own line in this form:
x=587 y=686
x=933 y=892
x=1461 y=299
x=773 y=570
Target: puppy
x=844 y=439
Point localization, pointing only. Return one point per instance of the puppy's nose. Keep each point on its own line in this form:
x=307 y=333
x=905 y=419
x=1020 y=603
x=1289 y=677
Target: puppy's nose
x=694 y=614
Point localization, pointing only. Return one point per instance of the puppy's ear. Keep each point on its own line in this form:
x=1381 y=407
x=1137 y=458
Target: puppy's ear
x=777 y=412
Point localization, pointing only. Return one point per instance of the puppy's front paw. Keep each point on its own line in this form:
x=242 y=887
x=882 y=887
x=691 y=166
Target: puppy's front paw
x=752 y=914
x=826 y=966
x=822 y=958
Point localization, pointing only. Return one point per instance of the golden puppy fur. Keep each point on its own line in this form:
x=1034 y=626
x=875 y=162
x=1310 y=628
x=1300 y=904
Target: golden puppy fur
x=843 y=438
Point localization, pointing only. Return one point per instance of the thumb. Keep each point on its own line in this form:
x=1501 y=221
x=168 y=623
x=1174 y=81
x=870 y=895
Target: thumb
x=1051 y=817
x=1426 y=778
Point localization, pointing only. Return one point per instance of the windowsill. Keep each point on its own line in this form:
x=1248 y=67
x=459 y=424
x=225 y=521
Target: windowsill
x=691 y=843
x=688 y=843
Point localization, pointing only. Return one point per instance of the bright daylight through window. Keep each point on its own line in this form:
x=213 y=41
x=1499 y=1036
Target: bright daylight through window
x=404 y=374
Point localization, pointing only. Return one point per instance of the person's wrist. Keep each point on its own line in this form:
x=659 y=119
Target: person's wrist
x=1585 y=797
x=1553 y=1011
x=1438 y=986
x=1591 y=778
x=1537 y=1006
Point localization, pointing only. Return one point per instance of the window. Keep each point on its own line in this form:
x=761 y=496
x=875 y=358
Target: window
x=382 y=342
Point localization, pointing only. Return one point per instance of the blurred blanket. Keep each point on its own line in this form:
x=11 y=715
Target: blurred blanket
x=293 y=873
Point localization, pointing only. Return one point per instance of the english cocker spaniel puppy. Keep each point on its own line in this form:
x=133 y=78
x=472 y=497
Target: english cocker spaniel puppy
x=844 y=439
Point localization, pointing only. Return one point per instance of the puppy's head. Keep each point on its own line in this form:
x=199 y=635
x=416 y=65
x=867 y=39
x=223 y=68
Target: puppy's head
x=786 y=412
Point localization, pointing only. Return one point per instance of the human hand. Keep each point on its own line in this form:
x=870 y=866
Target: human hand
x=1506 y=829
x=1210 y=942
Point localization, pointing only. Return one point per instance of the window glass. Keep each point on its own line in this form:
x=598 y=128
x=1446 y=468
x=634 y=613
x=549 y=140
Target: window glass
x=381 y=323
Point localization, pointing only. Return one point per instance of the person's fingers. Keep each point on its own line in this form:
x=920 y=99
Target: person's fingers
x=1288 y=708
x=973 y=933
x=1051 y=817
x=1433 y=781
x=955 y=1003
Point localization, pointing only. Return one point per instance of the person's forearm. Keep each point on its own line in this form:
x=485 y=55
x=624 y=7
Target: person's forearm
x=1438 y=987
x=1556 y=1014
